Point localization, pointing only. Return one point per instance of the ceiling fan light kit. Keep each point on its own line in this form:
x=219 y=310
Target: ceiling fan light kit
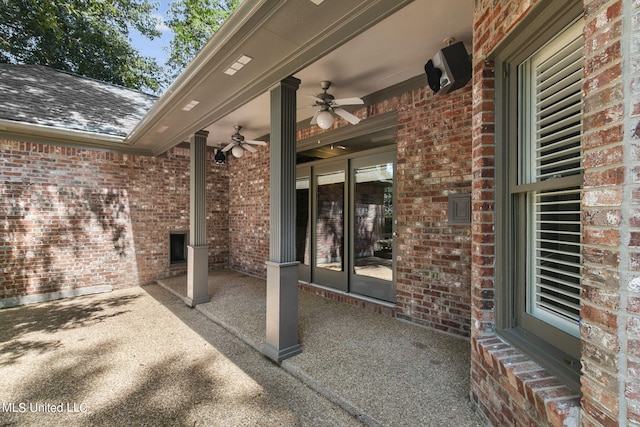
x=324 y=119
x=237 y=151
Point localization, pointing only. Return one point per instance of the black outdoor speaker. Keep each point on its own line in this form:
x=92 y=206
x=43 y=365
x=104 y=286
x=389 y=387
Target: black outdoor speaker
x=449 y=69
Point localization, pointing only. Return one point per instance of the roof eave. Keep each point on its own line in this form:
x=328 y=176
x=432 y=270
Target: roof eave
x=42 y=134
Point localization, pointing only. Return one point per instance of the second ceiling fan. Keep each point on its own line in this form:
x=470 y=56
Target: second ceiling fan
x=328 y=104
x=238 y=144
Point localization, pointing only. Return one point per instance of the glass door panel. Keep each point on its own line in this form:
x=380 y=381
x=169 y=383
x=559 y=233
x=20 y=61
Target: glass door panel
x=330 y=229
x=373 y=228
x=303 y=227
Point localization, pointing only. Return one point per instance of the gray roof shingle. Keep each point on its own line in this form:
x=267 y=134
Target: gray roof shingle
x=43 y=96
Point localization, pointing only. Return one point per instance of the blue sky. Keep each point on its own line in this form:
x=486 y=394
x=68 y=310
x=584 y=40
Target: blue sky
x=154 y=48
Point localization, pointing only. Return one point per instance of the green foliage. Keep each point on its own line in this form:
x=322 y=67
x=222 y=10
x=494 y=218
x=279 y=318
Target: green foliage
x=193 y=23
x=91 y=37
x=85 y=37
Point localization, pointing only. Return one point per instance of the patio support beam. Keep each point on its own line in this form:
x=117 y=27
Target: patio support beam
x=197 y=249
x=282 y=267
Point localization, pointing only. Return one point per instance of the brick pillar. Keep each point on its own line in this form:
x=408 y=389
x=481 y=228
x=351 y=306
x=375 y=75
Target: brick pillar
x=610 y=327
x=198 y=251
x=630 y=243
x=282 y=267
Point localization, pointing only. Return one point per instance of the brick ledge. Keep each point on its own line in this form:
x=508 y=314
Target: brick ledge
x=559 y=404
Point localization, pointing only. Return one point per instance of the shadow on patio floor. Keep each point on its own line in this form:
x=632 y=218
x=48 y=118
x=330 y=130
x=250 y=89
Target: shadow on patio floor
x=140 y=356
x=382 y=370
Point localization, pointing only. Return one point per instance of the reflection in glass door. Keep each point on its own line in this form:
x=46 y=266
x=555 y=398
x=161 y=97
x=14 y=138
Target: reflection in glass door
x=330 y=229
x=373 y=243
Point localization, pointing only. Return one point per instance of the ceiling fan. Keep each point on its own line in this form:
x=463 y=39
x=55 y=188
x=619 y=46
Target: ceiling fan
x=238 y=144
x=328 y=104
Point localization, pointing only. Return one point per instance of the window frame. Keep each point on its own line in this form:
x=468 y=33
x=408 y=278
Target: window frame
x=557 y=351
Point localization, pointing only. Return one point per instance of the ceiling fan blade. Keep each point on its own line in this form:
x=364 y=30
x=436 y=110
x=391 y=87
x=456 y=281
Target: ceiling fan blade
x=315 y=98
x=314 y=119
x=228 y=147
x=348 y=101
x=248 y=141
x=248 y=147
x=347 y=116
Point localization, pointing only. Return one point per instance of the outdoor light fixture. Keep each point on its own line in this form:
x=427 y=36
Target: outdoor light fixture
x=237 y=151
x=324 y=120
x=220 y=158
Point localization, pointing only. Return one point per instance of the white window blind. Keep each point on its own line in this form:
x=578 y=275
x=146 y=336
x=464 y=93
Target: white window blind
x=552 y=151
x=556 y=257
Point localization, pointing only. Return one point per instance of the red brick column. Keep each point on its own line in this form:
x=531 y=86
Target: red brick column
x=483 y=199
x=611 y=324
x=631 y=349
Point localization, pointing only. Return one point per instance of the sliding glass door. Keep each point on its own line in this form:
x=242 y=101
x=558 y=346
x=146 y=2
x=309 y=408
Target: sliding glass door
x=345 y=225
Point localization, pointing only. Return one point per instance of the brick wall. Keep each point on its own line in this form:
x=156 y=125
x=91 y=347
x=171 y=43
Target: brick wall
x=611 y=318
x=249 y=182
x=73 y=218
x=433 y=161
x=630 y=242
x=433 y=257
x=507 y=387
x=604 y=164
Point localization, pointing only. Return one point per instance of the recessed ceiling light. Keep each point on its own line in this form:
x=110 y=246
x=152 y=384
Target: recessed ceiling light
x=190 y=105
x=236 y=66
x=161 y=129
x=317 y=2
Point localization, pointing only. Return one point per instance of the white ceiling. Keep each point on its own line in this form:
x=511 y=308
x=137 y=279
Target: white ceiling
x=361 y=46
x=390 y=52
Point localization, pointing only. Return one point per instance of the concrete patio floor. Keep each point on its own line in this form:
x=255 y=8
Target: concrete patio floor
x=140 y=356
x=382 y=370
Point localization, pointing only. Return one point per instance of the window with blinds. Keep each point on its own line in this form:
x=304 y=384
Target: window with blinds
x=550 y=178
